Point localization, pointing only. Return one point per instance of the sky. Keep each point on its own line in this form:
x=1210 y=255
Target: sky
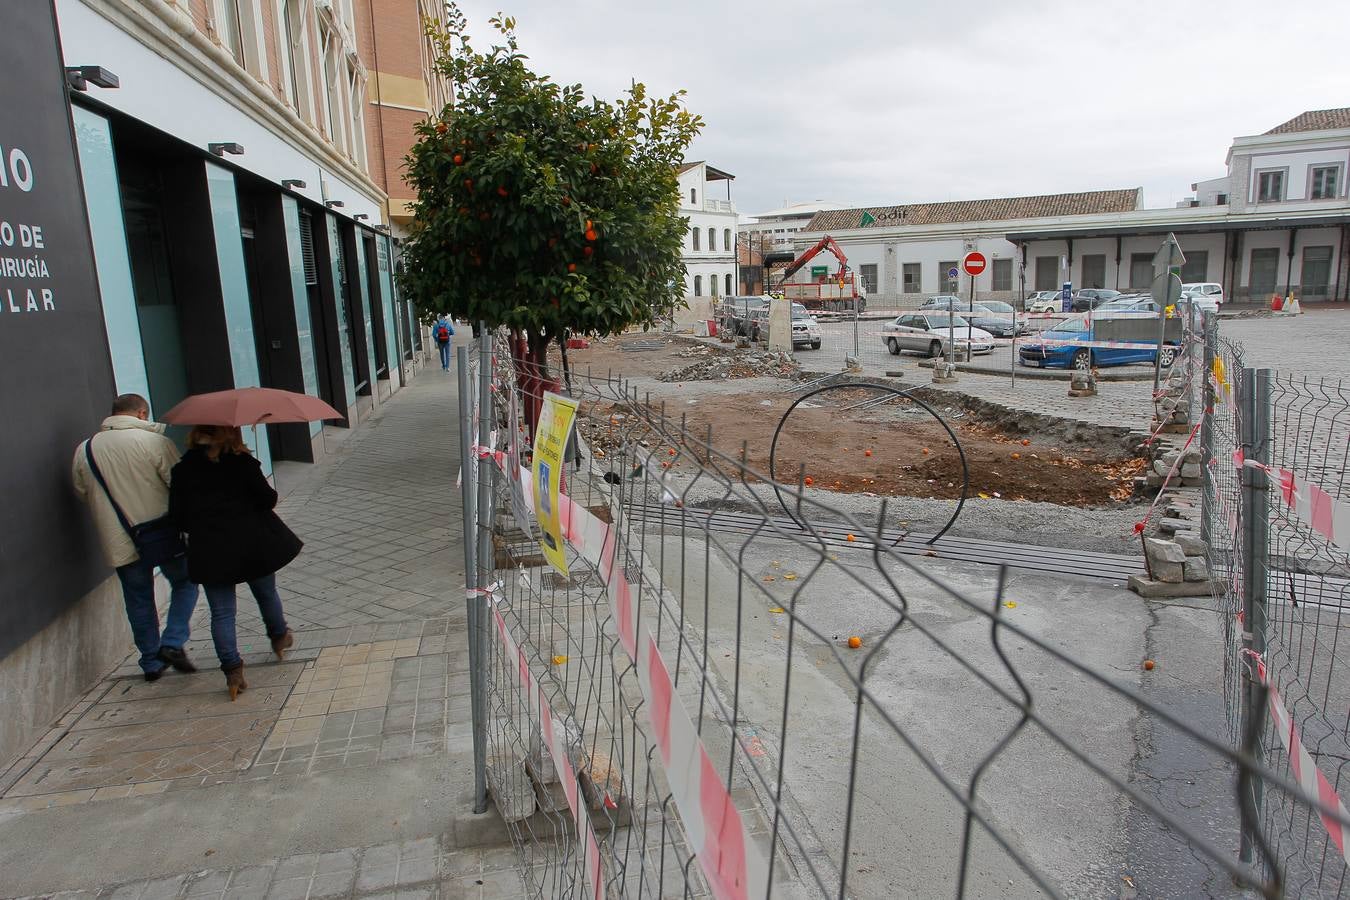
x=878 y=103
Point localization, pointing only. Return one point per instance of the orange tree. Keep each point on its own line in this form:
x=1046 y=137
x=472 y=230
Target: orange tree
x=540 y=210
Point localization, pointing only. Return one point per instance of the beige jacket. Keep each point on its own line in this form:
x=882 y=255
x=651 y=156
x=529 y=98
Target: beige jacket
x=135 y=458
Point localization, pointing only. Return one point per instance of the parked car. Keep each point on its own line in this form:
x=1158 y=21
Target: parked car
x=944 y=301
x=994 y=316
x=1091 y=298
x=927 y=333
x=1130 y=303
x=734 y=313
x=1043 y=301
x=805 y=328
x=1208 y=295
x=1060 y=347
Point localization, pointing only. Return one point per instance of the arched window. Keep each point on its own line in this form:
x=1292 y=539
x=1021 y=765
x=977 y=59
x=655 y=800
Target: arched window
x=698 y=284
x=712 y=285
x=726 y=239
x=694 y=232
x=728 y=285
x=712 y=238
x=693 y=196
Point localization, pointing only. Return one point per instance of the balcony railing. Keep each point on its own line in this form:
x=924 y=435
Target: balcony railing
x=718 y=206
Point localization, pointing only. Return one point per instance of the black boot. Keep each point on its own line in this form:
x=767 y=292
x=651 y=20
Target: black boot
x=176 y=657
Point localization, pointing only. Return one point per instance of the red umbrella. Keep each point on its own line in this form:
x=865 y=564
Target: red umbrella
x=249 y=406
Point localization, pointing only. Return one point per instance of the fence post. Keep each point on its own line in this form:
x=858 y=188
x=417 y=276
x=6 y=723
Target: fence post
x=468 y=498
x=1254 y=440
x=481 y=603
x=1207 y=400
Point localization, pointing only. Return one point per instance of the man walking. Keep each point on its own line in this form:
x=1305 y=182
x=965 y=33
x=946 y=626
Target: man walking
x=134 y=459
x=441 y=332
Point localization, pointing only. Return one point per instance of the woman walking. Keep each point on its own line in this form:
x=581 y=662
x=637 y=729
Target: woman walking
x=220 y=499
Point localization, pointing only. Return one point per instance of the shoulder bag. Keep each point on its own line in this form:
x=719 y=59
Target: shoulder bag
x=158 y=541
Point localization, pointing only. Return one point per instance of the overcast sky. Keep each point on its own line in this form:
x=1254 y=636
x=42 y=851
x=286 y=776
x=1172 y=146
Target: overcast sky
x=879 y=103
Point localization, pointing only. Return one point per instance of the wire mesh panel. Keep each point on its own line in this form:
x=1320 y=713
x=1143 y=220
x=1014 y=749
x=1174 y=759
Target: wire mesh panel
x=724 y=696
x=1305 y=617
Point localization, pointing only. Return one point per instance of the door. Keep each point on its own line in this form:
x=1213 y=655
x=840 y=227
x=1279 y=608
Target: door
x=1265 y=271
x=1316 y=275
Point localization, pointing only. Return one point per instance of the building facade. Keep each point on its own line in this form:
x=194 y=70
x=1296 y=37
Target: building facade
x=710 y=243
x=1277 y=223
x=230 y=190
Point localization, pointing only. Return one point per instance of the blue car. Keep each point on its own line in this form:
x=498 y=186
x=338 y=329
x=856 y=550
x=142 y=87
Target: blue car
x=1067 y=343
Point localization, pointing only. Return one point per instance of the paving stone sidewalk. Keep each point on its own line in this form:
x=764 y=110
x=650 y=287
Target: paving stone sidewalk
x=344 y=771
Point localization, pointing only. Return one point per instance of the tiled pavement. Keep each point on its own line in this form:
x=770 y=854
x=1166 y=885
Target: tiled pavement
x=374 y=695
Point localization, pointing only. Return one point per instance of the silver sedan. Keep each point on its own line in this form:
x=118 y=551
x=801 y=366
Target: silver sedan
x=927 y=333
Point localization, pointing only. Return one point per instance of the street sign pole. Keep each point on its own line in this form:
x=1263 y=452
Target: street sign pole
x=1167 y=264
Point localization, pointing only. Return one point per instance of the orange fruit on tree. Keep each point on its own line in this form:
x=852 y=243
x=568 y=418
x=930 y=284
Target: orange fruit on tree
x=587 y=251
x=468 y=183
x=459 y=159
x=567 y=201
x=442 y=128
x=589 y=226
x=571 y=267
x=590 y=234
x=503 y=192
x=552 y=242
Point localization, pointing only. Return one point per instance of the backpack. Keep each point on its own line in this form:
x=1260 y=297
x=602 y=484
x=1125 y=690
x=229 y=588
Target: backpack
x=442 y=334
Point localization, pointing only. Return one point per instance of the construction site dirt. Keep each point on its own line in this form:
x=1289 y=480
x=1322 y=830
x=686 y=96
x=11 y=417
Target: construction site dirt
x=894 y=448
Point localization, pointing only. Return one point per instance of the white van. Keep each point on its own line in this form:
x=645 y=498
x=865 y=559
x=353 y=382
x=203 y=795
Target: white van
x=1207 y=294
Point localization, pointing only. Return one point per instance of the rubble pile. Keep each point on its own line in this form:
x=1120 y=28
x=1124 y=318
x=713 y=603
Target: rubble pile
x=714 y=364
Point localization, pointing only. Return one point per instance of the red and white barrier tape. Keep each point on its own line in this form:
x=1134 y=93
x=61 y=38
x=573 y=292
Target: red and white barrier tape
x=554 y=734
x=732 y=863
x=1306 y=773
x=1327 y=515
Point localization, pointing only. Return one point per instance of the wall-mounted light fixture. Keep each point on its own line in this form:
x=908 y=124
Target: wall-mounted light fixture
x=292 y=184
x=360 y=217
x=80 y=77
x=334 y=204
x=383 y=229
x=220 y=148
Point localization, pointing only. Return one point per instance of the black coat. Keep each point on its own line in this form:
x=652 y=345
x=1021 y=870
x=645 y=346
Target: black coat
x=224 y=507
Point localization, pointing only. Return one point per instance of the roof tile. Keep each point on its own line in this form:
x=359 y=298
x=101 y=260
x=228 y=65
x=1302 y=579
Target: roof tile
x=1315 y=120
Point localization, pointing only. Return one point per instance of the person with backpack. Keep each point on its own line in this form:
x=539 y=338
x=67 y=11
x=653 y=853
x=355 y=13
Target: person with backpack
x=123 y=473
x=441 y=333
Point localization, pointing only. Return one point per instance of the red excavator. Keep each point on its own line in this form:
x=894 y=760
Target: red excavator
x=831 y=293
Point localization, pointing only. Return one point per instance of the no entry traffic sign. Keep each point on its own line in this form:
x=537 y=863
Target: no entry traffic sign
x=973 y=263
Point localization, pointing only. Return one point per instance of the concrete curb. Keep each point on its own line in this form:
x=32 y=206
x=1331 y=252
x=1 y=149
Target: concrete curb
x=1042 y=374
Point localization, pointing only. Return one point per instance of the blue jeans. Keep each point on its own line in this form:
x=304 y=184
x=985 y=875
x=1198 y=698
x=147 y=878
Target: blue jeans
x=445 y=355
x=138 y=592
x=223 y=602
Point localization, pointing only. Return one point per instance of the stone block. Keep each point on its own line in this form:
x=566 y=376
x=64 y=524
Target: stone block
x=1144 y=587
x=511 y=787
x=1166 y=560
x=1191 y=470
x=1191 y=545
x=1173 y=526
x=1162 y=467
x=1196 y=568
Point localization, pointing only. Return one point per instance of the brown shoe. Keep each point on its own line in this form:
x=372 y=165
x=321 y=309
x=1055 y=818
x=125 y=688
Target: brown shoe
x=234 y=681
x=281 y=644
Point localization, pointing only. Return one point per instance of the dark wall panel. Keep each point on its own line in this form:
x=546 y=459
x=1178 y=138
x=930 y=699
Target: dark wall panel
x=56 y=380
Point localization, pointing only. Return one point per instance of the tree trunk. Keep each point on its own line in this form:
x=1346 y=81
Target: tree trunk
x=534 y=377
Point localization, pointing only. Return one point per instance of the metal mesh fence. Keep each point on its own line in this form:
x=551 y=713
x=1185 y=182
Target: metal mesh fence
x=724 y=698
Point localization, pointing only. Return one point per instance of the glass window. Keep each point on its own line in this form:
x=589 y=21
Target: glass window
x=1141 y=270
x=726 y=238
x=1094 y=270
x=869 y=277
x=693 y=196
x=294 y=50
x=1316 y=276
x=728 y=281
x=1196 y=267
x=694 y=233
x=1002 y=277
x=1221 y=199
x=1076 y=325
x=1047 y=273
x=1325 y=183
x=1269 y=186
x=945 y=281
x=712 y=239
x=698 y=282
x=231 y=29
x=913 y=284
x=1265 y=270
